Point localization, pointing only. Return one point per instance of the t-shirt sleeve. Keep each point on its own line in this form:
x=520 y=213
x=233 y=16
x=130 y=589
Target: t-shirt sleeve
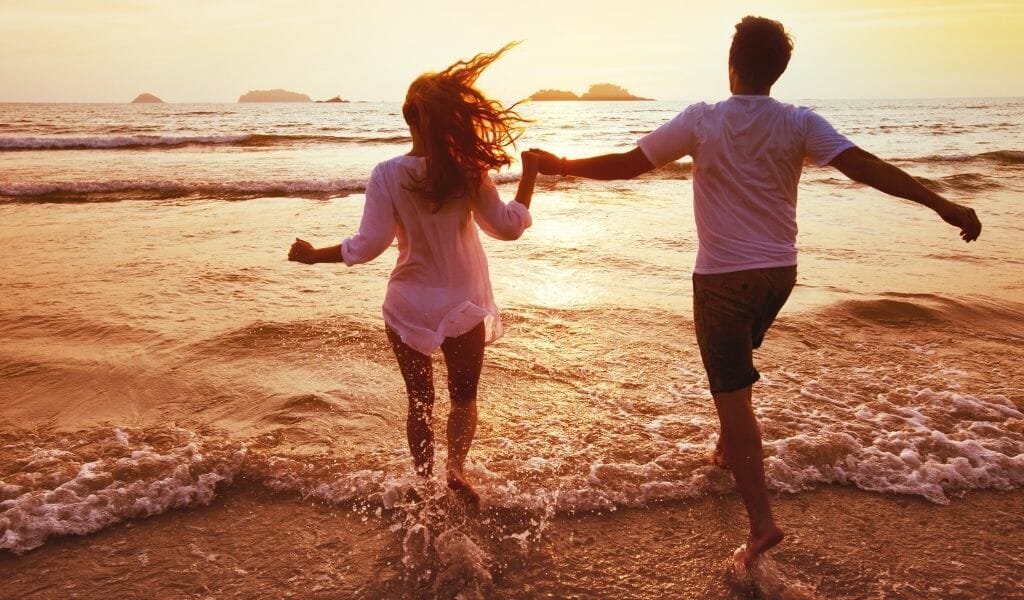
x=822 y=141
x=673 y=140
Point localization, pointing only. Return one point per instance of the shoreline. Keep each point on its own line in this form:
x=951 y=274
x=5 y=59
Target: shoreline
x=841 y=543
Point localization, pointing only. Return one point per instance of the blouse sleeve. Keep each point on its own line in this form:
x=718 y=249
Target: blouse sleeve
x=499 y=220
x=377 y=228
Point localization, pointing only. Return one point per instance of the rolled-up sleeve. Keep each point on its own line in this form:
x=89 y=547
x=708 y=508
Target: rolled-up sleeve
x=499 y=220
x=377 y=228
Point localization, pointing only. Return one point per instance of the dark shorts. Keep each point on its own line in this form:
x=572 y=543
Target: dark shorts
x=731 y=314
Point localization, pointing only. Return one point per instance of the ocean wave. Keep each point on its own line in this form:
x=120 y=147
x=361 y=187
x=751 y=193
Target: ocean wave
x=902 y=309
x=964 y=182
x=931 y=444
x=115 y=190
x=110 y=476
x=138 y=142
x=270 y=337
x=1002 y=157
x=907 y=440
x=106 y=191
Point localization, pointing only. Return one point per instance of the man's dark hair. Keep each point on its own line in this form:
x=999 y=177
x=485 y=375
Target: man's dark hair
x=760 y=51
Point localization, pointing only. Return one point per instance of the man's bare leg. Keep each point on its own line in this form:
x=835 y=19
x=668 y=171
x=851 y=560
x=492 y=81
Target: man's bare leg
x=741 y=442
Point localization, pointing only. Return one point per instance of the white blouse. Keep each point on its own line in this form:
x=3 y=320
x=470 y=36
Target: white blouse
x=440 y=286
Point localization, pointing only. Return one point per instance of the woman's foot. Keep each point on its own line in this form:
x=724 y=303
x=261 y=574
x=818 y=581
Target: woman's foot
x=758 y=544
x=457 y=482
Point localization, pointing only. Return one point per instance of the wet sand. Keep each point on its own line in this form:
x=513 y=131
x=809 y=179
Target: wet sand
x=250 y=543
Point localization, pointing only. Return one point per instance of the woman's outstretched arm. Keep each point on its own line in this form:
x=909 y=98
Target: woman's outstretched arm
x=377 y=230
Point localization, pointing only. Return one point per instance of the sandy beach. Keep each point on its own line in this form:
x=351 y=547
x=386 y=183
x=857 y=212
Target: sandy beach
x=250 y=543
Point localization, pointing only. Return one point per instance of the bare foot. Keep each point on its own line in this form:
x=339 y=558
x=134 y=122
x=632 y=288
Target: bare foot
x=717 y=456
x=757 y=545
x=457 y=483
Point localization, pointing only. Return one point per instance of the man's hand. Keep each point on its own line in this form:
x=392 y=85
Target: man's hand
x=547 y=163
x=302 y=251
x=860 y=165
x=963 y=217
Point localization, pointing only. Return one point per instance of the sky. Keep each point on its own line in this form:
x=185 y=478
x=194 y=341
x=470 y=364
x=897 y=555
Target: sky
x=203 y=51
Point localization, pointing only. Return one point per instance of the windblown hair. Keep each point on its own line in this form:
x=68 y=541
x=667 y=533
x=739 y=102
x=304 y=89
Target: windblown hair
x=464 y=132
x=760 y=51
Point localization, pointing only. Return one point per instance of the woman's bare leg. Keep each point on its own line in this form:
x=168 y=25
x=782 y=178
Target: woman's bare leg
x=464 y=357
x=418 y=373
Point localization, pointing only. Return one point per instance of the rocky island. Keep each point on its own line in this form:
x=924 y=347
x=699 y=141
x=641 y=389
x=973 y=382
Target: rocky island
x=277 y=95
x=147 y=99
x=597 y=92
x=334 y=100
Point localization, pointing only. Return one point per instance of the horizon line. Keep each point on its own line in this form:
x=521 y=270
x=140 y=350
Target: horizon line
x=524 y=100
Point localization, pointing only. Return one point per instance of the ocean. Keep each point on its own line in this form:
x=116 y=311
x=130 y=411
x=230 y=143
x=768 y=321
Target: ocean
x=186 y=414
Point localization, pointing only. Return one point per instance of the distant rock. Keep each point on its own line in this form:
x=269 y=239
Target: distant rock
x=597 y=92
x=554 y=95
x=334 y=100
x=147 y=99
x=277 y=95
x=609 y=91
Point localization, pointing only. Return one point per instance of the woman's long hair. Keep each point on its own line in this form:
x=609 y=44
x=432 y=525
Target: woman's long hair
x=464 y=132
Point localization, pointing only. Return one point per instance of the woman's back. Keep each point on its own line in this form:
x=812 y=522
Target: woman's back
x=440 y=286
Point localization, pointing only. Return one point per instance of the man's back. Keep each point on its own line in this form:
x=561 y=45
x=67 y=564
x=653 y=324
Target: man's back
x=747 y=152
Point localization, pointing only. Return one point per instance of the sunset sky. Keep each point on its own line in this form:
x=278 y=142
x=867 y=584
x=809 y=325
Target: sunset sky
x=200 y=51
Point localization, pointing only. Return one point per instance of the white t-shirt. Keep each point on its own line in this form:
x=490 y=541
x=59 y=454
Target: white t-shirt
x=440 y=286
x=747 y=152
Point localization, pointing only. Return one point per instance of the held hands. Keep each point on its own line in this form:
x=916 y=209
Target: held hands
x=963 y=217
x=547 y=163
x=301 y=251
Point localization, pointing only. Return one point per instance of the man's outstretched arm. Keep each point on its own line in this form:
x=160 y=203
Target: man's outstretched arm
x=864 y=167
x=624 y=165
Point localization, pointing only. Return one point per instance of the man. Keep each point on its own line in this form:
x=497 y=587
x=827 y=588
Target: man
x=748 y=152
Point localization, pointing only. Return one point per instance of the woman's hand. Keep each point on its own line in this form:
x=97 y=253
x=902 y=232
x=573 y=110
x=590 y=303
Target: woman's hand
x=302 y=251
x=531 y=162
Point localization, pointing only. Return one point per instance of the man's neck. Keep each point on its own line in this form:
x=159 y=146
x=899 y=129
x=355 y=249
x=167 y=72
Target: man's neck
x=741 y=90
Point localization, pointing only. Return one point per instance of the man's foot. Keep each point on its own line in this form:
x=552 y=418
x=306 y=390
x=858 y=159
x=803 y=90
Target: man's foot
x=757 y=545
x=717 y=458
x=457 y=482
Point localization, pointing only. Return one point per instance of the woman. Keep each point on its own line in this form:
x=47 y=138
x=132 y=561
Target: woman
x=439 y=294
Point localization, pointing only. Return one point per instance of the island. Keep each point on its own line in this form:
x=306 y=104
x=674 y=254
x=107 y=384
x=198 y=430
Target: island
x=147 y=99
x=554 y=95
x=334 y=100
x=276 y=95
x=597 y=92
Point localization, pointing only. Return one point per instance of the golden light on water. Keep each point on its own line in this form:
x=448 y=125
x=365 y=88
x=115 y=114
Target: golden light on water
x=561 y=287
